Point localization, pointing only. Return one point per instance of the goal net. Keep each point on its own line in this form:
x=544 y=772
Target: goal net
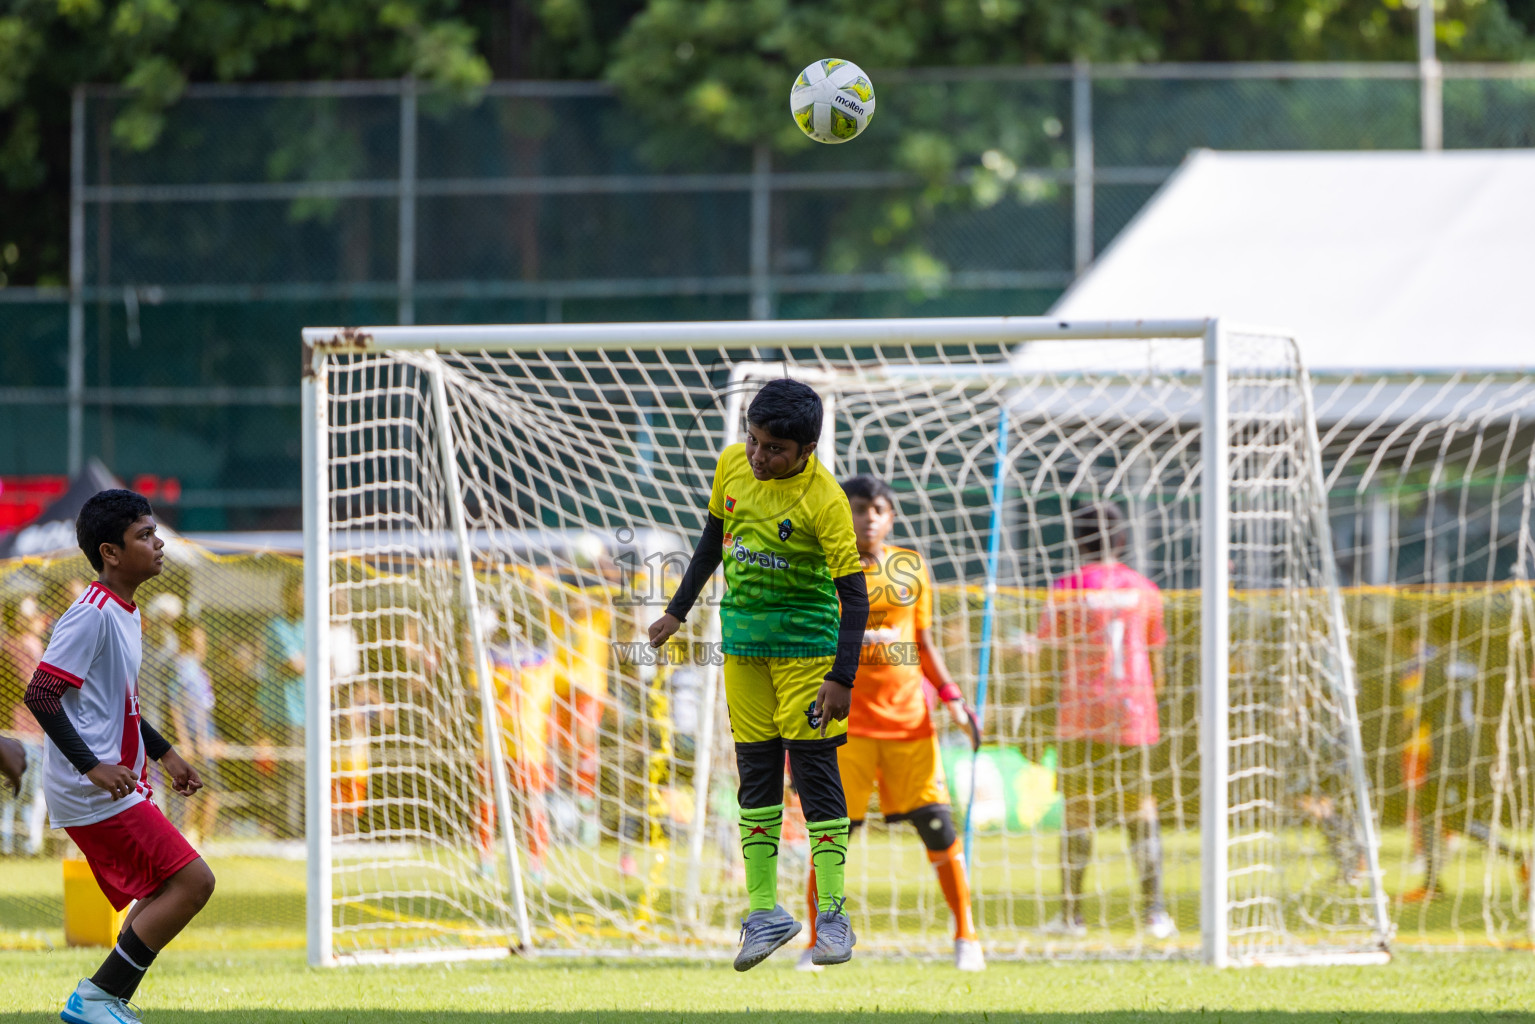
x=1430 y=479
x=494 y=516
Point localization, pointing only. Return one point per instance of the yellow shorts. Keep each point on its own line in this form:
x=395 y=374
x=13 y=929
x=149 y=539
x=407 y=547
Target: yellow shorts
x=909 y=774
x=770 y=698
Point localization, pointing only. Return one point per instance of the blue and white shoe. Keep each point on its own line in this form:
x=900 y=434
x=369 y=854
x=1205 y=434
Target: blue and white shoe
x=834 y=939
x=762 y=933
x=88 y=1004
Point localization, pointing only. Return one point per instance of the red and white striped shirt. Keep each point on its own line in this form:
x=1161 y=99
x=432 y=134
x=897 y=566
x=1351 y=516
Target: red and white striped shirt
x=96 y=647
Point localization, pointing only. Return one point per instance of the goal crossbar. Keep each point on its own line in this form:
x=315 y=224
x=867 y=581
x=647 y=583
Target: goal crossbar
x=909 y=331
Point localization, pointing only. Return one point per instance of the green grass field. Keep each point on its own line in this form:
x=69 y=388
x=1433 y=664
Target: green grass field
x=259 y=905
x=277 y=988
x=260 y=901
x=242 y=961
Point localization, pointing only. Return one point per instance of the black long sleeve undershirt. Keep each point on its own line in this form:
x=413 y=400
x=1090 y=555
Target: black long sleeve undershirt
x=854 y=595
x=706 y=558
x=43 y=699
x=155 y=745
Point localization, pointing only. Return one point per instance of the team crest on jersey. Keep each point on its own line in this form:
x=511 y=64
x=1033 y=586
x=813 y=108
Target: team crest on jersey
x=730 y=503
x=784 y=529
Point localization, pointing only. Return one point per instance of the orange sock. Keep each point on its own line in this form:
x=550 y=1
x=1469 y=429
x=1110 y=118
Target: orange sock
x=485 y=831
x=813 y=899
x=950 y=865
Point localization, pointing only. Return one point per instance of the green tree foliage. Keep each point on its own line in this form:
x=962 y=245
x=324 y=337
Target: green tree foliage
x=155 y=47
x=722 y=64
x=721 y=69
x=695 y=71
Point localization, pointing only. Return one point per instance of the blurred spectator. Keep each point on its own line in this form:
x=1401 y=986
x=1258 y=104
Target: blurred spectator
x=282 y=704
x=157 y=671
x=191 y=708
x=23 y=637
x=355 y=711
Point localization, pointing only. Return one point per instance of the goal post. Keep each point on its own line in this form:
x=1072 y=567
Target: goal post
x=481 y=502
x=1215 y=637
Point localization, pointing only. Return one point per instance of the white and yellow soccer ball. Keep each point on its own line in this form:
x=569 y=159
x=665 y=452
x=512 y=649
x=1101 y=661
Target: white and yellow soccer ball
x=832 y=100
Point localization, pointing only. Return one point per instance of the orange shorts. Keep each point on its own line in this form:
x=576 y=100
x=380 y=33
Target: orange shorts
x=908 y=774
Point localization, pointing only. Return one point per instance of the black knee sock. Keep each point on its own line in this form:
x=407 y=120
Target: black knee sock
x=124 y=967
x=1146 y=851
x=1076 y=850
x=814 y=764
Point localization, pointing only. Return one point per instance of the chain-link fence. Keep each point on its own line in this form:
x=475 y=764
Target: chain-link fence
x=264 y=208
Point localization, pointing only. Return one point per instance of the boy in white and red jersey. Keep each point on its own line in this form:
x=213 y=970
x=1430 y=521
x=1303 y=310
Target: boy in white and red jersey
x=85 y=696
x=1103 y=626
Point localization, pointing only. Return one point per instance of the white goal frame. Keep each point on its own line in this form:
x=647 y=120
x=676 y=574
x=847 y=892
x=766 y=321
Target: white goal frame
x=322 y=342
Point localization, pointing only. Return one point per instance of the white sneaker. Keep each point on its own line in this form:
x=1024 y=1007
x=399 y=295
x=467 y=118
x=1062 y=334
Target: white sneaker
x=1160 y=925
x=1069 y=929
x=805 y=962
x=88 y=1004
x=968 y=955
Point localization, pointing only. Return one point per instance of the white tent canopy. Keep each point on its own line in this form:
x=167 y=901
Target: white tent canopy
x=1377 y=261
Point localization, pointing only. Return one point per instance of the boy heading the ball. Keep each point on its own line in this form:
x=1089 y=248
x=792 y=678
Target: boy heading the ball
x=891 y=742
x=85 y=696
x=784 y=531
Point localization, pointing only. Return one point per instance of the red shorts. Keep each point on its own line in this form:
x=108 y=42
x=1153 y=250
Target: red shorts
x=133 y=853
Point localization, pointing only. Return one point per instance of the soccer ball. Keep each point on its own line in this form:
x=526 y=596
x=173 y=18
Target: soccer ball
x=832 y=100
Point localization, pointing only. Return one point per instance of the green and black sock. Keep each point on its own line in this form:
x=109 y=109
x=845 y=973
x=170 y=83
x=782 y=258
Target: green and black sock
x=760 y=829
x=828 y=852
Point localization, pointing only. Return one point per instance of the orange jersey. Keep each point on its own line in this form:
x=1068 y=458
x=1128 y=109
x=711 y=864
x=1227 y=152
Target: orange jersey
x=888 y=699
x=524 y=680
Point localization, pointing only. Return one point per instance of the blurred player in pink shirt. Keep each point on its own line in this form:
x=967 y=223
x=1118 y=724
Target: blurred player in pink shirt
x=1103 y=636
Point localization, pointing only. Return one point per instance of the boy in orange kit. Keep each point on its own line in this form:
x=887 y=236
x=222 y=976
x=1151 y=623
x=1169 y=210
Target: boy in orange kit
x=891 y=743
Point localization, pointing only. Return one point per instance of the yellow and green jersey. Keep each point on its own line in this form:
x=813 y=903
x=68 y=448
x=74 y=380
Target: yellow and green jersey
x=785 y=541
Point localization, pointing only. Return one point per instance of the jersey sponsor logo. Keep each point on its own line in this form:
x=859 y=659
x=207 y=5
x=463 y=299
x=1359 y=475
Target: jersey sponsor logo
x=730 y=503
x=785 y=528
x=765 y=559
